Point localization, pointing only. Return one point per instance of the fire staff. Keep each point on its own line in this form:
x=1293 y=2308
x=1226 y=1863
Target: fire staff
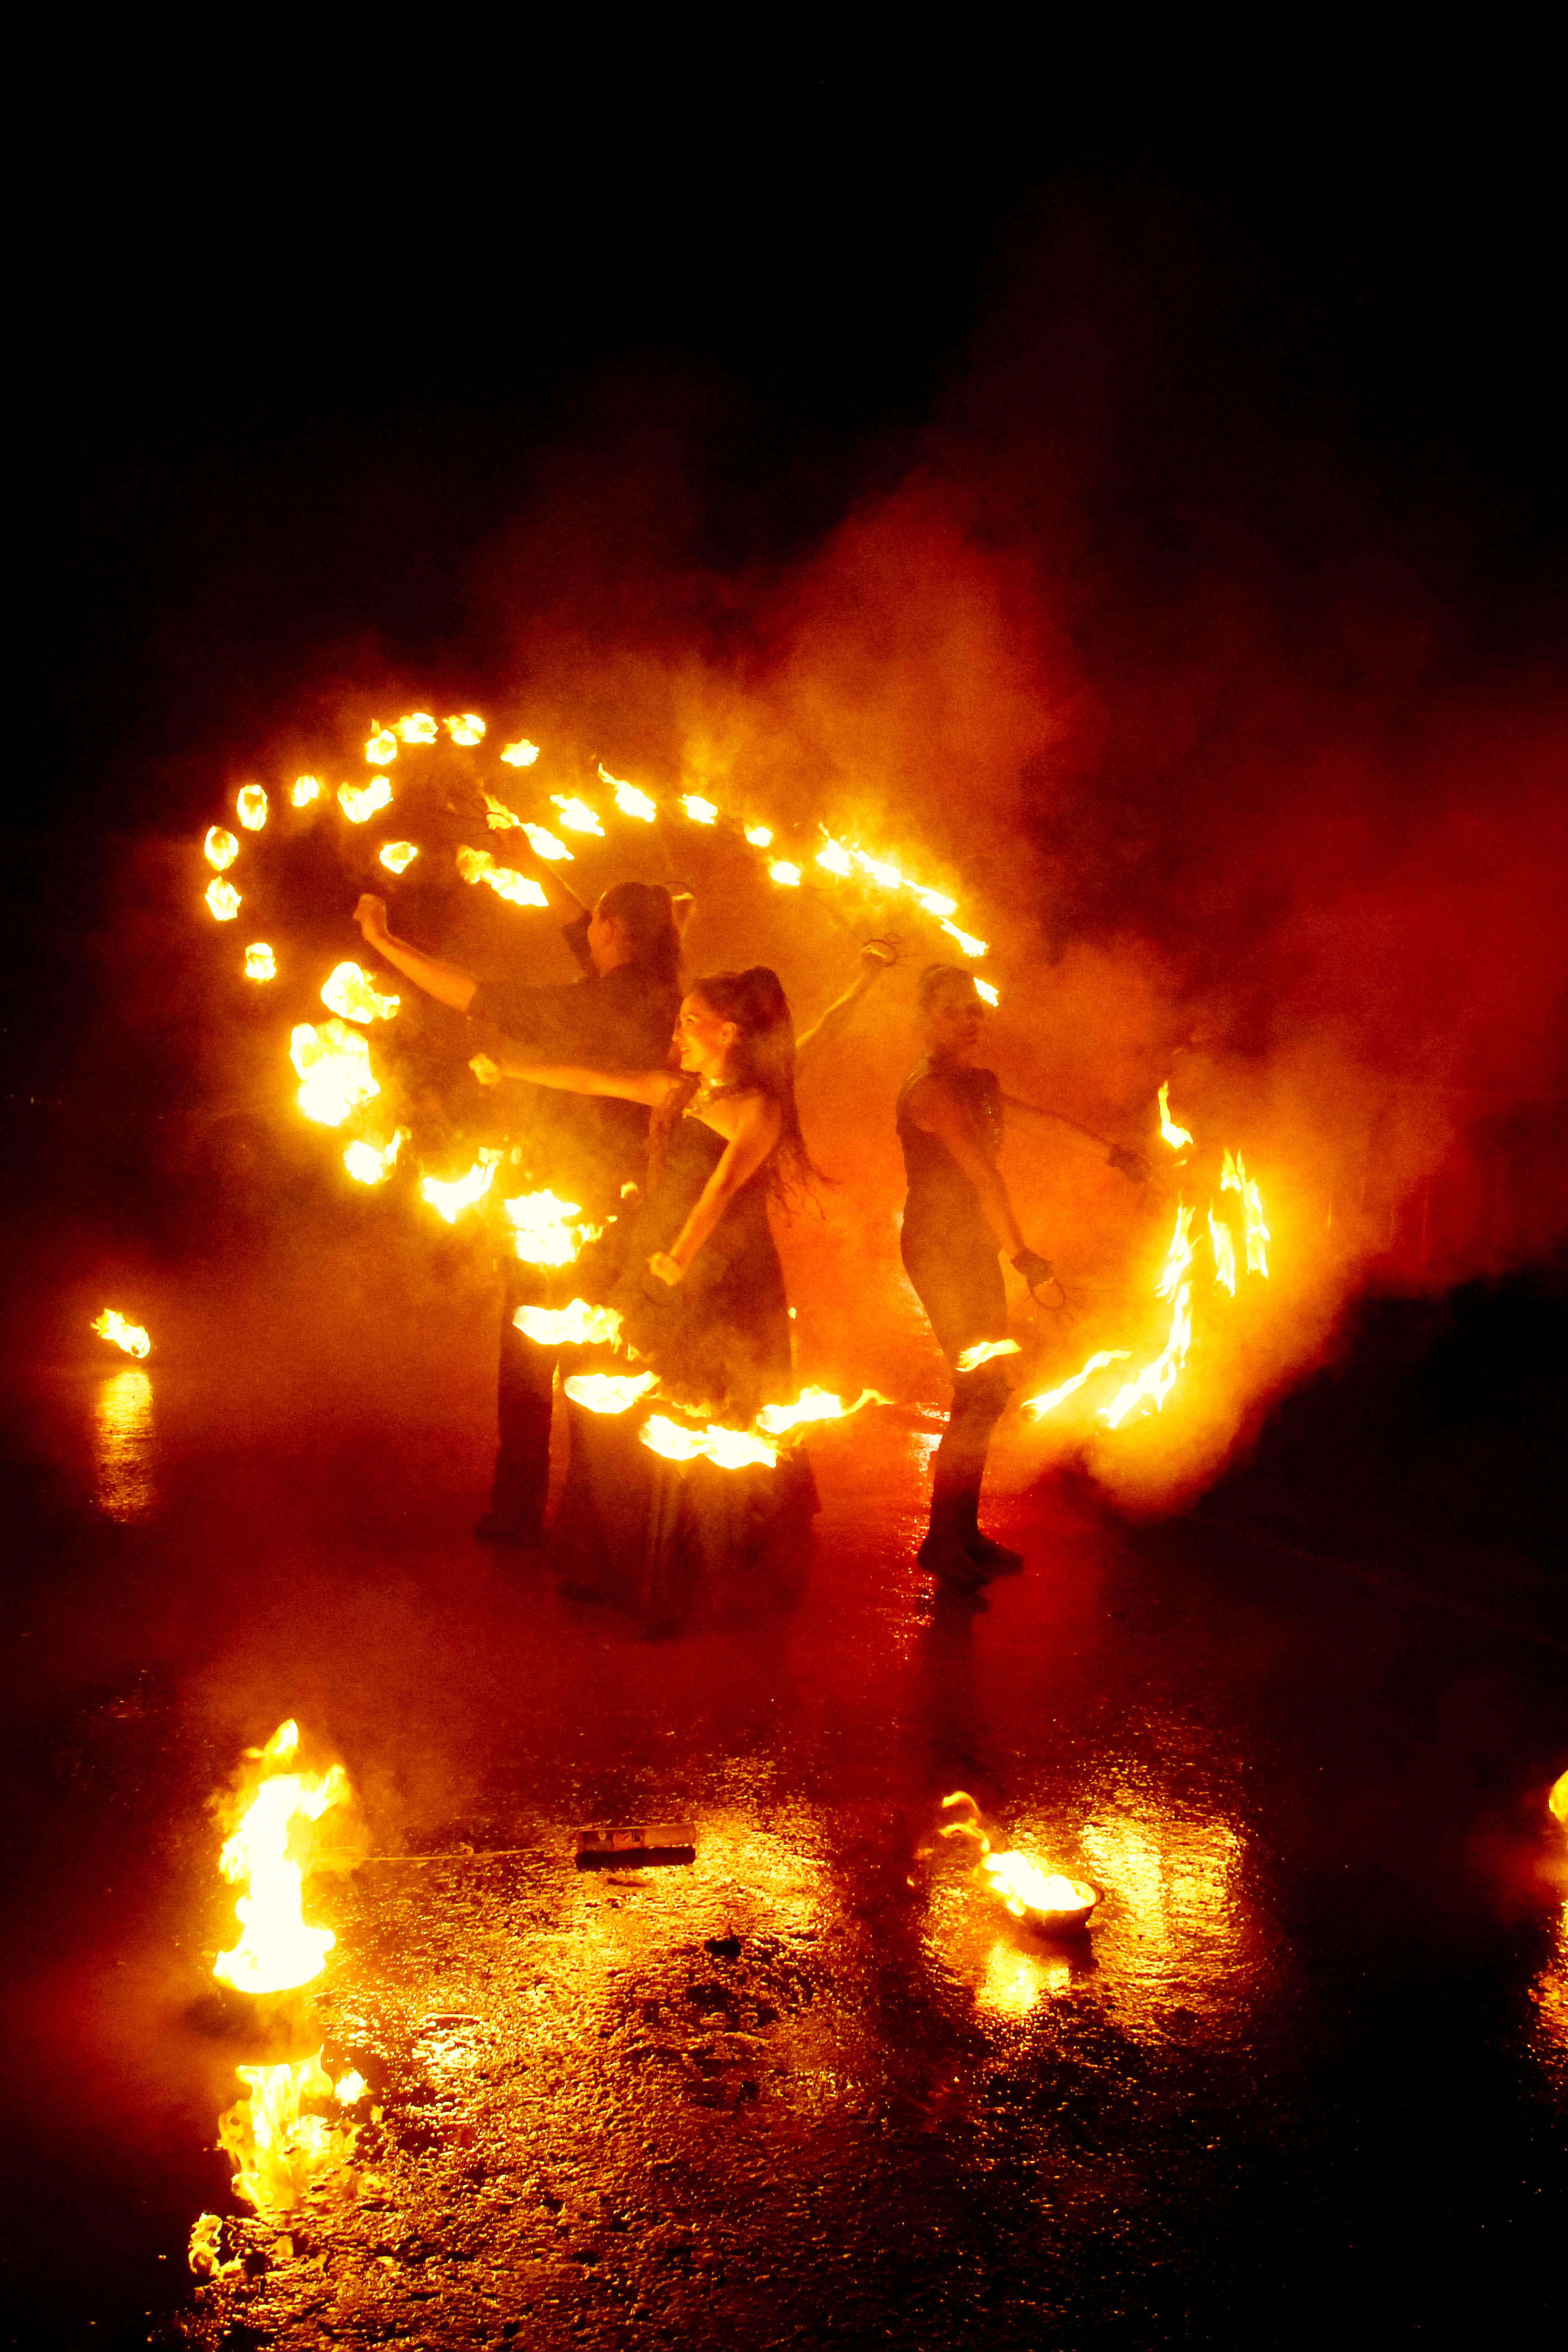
x=619 y=1015
x=957 y=1221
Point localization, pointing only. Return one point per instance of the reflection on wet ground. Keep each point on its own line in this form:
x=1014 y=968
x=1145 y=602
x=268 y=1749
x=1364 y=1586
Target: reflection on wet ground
x=815 y=2086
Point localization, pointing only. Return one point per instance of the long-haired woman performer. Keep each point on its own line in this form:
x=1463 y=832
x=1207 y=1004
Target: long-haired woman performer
x=701 y=1298
x=958 y=1220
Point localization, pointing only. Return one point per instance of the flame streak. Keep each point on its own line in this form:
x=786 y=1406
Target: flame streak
x=727 y=1449
x=1050 y=1398
x=335 y=1069
x=1224 y=1249
x=1234 y=1178
x=359 y=802
x=1176 y=1137
x=578 y=1325
x=128 y=1336
x=448 y=1198
x=397 y=855
x=983 y=1351
x=546 y=845
x=251 y=803
x=222 y=901
x=479 y=865
x=984 y=988
x=700 y=811
x=542 y=1228
x=609 y=1392
x=276 y=1950
x=220 y=848
x=1179 y=1256
x=972 y=947
x=629 y=799
x=812 y=1405
x=1156 y=1380
x=575 y=814
x=834 y=858
x=260 y=963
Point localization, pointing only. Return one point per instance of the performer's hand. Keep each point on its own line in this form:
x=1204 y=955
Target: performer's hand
x=371 y=916
x=663 y=1265
x=1132 y=1164
x=1034 y=1268
x=487 y=1072
x=875 y=955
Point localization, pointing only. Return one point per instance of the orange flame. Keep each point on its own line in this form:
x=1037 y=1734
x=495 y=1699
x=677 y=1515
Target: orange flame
x=278 y=2150
x=306 y=790
x=984 y=988
x=1224 y=1249
x=371 y=1163
x=971 y=947
x=880 y=871
x=727 y=1449
x=812 y=1405
x=1179 y=1256
x=629 y=799
x=251 y=803
x=276 y=1950
x=417 y=728
x=1156 y=1380
x=834 y=858
x=576 y=1326
x=546 y=845
x=479 y=865
x=700 y=811
x=983 y=1351
x=382 y=749
x=468 y=728
x=347 y=990
x=359 y=802
x=1557 y=1799
x=222 y=901
x=260 y=963
x=219 y=848
x=128 y=1336
x=575 y=814
x=1049 y=1399
x=935 y=902
x=521 y=755
x=542 y=1230
x=449 y=1197
x=1176 y=1137
x=333 y=1063
x=609 y=1392
x=397 y=856
x=1028 y=1892
x=1234 y=1178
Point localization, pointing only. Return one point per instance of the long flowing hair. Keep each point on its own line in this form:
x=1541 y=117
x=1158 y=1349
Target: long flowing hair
x=762 y=1057
x=645 y=909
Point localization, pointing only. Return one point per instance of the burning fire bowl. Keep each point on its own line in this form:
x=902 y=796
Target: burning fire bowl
x=1063 y=1920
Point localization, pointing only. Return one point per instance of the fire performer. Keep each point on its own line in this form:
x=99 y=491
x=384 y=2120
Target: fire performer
x=619 y=1014
x=957 y=1221
x=701 y=1296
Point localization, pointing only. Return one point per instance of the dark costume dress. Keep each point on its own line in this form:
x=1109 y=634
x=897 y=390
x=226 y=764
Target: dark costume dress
x=670 y=1538
x=950 y=1254
x=582 y=1148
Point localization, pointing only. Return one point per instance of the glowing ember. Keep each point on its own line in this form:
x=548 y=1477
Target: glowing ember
x=260 y=963
x=468 y=728
x=1179 y=1256
x=479 y=865
x=278 y=2150
x=546 y=845
x=812 y=1405
x=609 y=1392
x=542 y=1231
x=576 y=1326
x=835 y=859
x=252 y=806
x=333 y=1063
x=521 y=755
x=417 y=728
x=629 y=799
x=1044 y=1897
x=347 y=991
x=306 y=790
x=371 y=1163
x=128 y=1336
x=359 y=802
x=761 y=836
x=1049 y=1399
x=449 y=1198
x=971 y=947
x=222 y=901
x=1234 y=1178
x=382 y=748
x=276 y=1950
x=1224 y=1249
x=984 y=988
x=983 y=1351
x=700 y=811
x=219 y=848
x=1156 y=1380
x=575 y=814
x=397 y=856
x=787 y=876
x=1176 y=1137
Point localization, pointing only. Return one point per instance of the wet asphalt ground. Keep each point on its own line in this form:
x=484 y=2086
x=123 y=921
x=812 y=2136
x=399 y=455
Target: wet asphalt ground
x=814 y=2086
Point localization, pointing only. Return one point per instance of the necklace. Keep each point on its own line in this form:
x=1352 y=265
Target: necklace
x=707 y=1090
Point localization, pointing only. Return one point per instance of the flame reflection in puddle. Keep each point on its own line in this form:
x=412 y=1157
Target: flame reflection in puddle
x=124 y=1484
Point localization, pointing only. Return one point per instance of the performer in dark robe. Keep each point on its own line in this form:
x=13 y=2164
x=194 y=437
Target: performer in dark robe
x=701 y=1300
x=957 y=1221
x=619 y=1014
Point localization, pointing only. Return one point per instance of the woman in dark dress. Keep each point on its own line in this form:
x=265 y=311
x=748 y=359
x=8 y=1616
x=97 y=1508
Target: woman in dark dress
x=701 y=1298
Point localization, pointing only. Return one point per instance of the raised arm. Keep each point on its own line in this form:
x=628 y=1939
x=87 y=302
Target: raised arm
x=756 y=1132
x=1122 y=1156
x=875 y=958
x=447 y=982
x=649 y=1087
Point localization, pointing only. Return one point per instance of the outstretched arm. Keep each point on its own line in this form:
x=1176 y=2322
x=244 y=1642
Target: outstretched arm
x=876 y=957
x=447 y=982
x=649 y=1087
x=1130 y=1163
x=756 y=1132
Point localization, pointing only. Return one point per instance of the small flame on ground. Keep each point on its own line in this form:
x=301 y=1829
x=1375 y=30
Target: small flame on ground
x=1176 y=1137
x=278 y=2150
x=761 y=836
x=787 y=876
x=609 y=1392
x=382 y=748
x=519 y=889
x=128 y=1336
x=417 y=728
x=397 y=856
x=306 y=790
x=700 y=811
x=371 y=1163
x=542 y=1228
x=575 y=814
x=333 y=1063
x=222 y=901
x=448 y=1198
x=359 y=802
x=1049 y=1399
x=260 y=963
x=548 y=846
x=629 y=799
x=1027 y=1891
x=578 y=1325
x=468 y=728
x=812 y=1405
x=220 y=848
x=277 y=1951
x=983 y=1351
x=251 y=803
x=521 y=755
x=348 y=990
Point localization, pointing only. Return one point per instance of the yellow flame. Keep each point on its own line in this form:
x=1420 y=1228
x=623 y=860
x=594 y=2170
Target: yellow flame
x=1176 y=1137
x=370 y=1163
x=812 y=1405
x=1234 y=1178
x=787 y=876
x=448 y=1198
x=359 y=802
x=700 y=811
x=982 y=1352
x=128 y=1336
x=279 y=2151
x=479 y=865
x=251 y=803
x=888 y=876
x=349 y=2088
x=542 y=1229
x=220 y=848
x=575 y=814
x=417 y=728
x=382 y=749
x=1156 y=1380
x=333 y=1063
x=546 y=845
x=521 y=755
x=276 y=1950
x=260 y=963
x=629 y=799
x=834 y=858
x=1179 y=1256
x=347 y=990
x=761 y=836
x=1224 y=1249
x=972 y=947
x=608 y=1391
x=578 y=1325
x=306 y=790
x=468 y=728
x=397 y=856
x=1049 y=1399
x=497 y=816
x=984 y=988
x=1557 y=1799
x=1026 y=1889
x=222 y=901
x=727 y=1449
x=935 y=902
